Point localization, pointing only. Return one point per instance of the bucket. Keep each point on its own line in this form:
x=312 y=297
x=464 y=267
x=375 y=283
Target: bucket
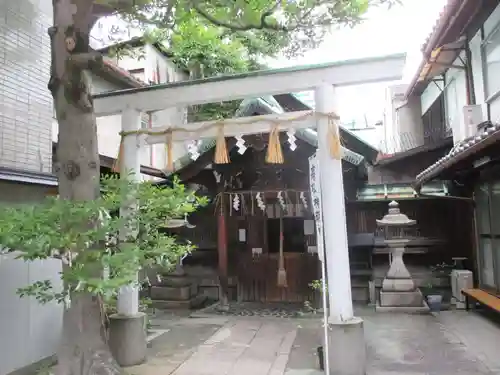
x=434 y=302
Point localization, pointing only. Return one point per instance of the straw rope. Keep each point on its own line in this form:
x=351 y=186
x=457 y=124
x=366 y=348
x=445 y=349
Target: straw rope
x=275 y=153
x=334 y=144
x=169 y=151
x=221 y=154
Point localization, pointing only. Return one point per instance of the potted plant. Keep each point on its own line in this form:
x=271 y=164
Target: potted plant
x=434 y=298
x=433 y=295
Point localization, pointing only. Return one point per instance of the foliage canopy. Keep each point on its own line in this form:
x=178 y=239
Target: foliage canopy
x=90 y=237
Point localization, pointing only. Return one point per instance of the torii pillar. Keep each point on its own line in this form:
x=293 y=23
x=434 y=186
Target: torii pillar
x=127 y=333
x=347 y=348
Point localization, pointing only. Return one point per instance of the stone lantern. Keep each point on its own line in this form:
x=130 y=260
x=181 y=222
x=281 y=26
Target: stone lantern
x=398 y=288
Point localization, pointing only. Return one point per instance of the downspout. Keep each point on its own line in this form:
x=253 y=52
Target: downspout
x=471 y=93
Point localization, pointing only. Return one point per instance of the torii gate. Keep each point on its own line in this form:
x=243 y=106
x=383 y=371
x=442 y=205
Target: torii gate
x=346 y=331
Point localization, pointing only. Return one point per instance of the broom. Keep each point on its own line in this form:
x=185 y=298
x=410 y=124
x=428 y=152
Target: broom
x=281 y=265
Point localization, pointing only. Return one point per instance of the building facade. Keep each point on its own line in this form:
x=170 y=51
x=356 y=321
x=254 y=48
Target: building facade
x=462 y=73
x=29 y=332
x=149 y=64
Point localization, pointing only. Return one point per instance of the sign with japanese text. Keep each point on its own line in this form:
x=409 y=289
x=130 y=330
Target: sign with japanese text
x=315 y=188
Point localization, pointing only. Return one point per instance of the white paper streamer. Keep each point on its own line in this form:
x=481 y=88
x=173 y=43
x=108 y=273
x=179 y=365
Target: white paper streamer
x=236 y=202
x=292 y=139
x=240 y=143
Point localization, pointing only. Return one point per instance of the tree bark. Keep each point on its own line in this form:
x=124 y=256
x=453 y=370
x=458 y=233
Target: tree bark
x=84 y=350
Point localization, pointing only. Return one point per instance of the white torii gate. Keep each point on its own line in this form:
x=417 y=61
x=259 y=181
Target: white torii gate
x=346 y=331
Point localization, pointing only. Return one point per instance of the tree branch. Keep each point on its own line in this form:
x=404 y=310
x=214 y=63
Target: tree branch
x=263 y=23
x=86 y=59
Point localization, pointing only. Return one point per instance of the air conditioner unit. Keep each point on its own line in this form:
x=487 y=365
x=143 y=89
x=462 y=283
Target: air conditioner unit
x=473 y=116
x=460 y=279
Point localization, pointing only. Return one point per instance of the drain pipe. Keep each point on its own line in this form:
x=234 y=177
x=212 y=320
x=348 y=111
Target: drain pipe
x=324 y=292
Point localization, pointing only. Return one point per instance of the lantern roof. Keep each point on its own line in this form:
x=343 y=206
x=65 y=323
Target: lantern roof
x=394 y=217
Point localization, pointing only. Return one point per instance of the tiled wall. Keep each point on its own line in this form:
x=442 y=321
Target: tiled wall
x=25 y=102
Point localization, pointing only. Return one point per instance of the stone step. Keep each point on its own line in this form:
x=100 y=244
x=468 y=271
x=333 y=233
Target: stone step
x=179 y=305
x=421 y=282
x=360 y=292
x=359 y=283
x=175 y=281
x=175 y=293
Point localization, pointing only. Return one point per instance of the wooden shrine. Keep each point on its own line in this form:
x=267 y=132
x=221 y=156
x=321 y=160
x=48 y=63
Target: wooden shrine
x=264 y=220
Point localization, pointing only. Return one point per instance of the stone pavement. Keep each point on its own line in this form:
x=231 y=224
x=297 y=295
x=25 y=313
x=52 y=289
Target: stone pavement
x=396 y=344
x=478 y=331
x=417 y=345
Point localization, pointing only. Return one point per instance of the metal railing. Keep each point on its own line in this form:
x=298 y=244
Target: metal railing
x=405 y=141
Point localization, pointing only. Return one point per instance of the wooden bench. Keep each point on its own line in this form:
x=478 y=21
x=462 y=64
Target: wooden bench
x=481 y=297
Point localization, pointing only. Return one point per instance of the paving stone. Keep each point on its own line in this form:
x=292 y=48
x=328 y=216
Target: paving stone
x=253 y=309
x=397 y=344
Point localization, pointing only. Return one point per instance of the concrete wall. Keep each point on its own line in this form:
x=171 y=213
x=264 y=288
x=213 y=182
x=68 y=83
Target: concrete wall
x=29 y=332
x=403 y=127
x=157 y=68
x=409 y=124
x=109 y=127
x=25 y=102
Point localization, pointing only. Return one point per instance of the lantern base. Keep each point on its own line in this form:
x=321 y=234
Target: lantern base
x=398 y=285
x=402 y=301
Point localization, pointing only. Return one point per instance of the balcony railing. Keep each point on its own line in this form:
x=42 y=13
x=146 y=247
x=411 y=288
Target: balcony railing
x=405 y=141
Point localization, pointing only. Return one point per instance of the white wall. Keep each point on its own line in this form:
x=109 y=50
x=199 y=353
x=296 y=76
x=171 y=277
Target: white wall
x=109 y=127
x=156 y=63
x=157 y=69
x=455 y=90
x=403 y=128
x=29 y=331
x=455 y=93
x=492 y=98
x=430 y=95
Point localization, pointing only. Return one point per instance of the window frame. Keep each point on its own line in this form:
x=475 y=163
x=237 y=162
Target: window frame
x=491 y=97
x=494 y=238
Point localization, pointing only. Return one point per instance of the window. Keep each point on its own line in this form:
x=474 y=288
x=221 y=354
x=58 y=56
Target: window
x=451 y=102
x=495 y=228
x=487 y=198
x=491 y=48
x=145 y=121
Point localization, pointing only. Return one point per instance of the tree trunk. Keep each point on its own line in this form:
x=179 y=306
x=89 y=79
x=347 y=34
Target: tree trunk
x=84 y=350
